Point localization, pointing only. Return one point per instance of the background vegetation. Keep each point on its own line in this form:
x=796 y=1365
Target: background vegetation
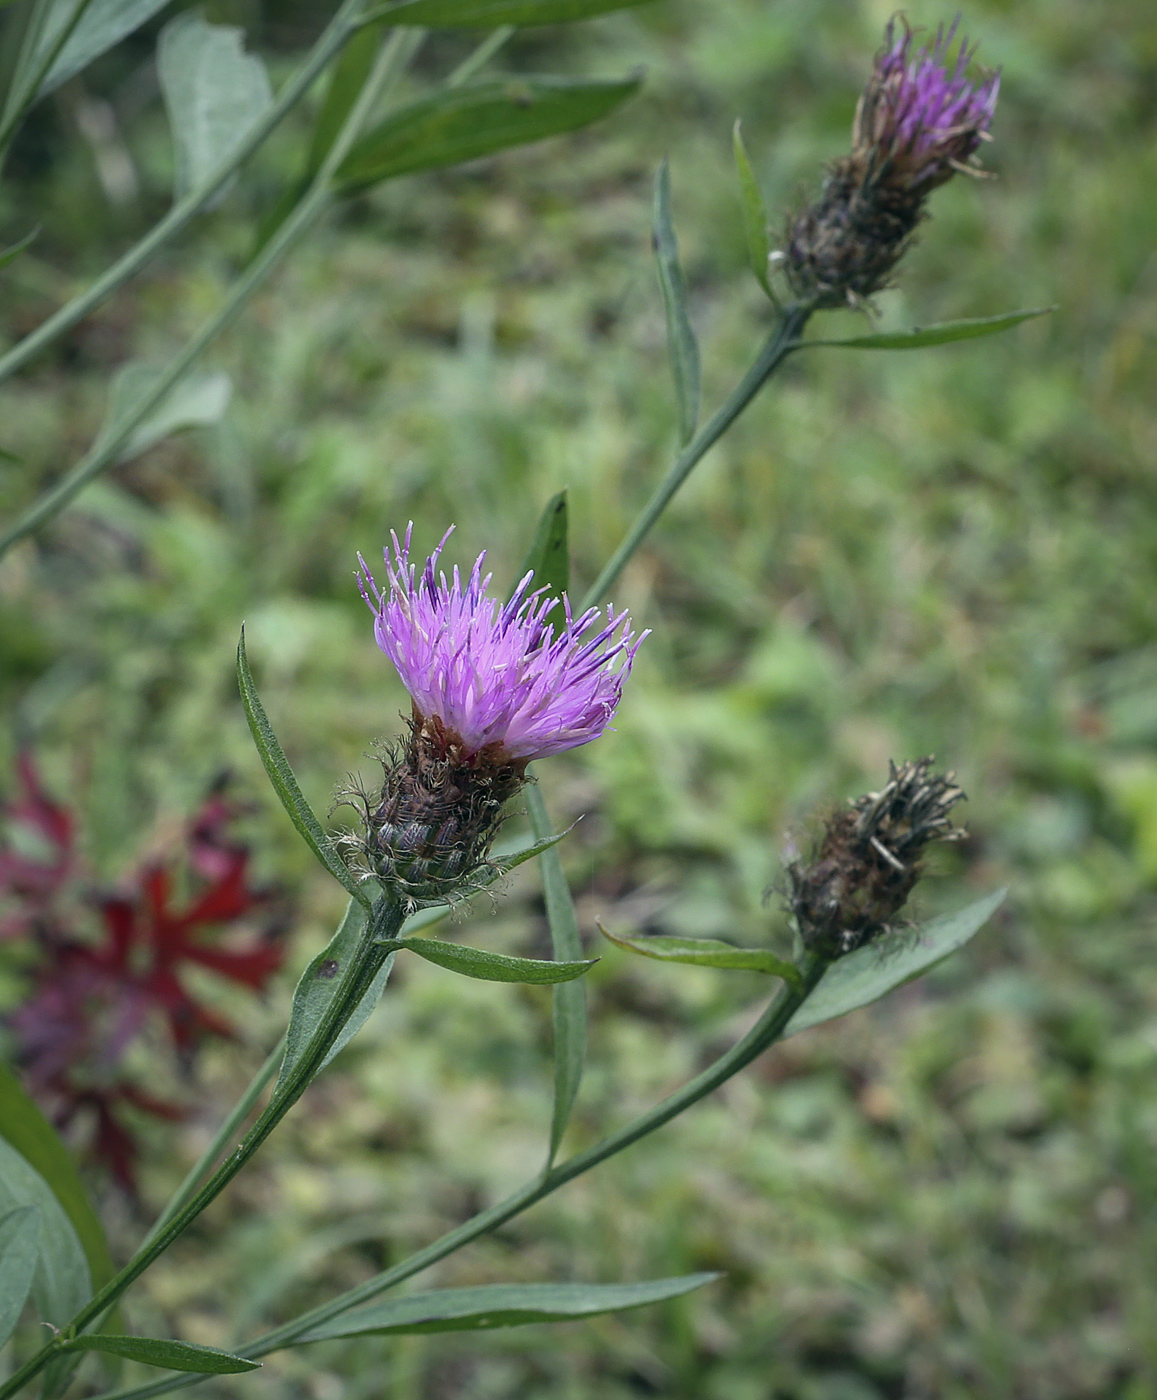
x=950 y=551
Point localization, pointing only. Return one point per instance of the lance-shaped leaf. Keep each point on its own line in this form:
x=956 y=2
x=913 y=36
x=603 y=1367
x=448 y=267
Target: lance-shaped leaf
x=157 y=1351
x=16 y=249
x=198 y=400
x=943 y=334
x=456 y=124
x=867 y=974
x=19 y=1250
x=548 y=557
x=27 y=1130
x=754 y=214
x=103 y=24
x=489 y=14
x=286 y=786
x=707 y=952
x=215 y=93
x=502 y=1305
x=61 y=1280
x=681 y=343
x=493 y=967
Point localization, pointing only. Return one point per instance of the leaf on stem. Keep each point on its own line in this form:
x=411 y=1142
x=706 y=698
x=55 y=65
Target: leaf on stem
x=103 y=24
x=462 y=123
x=198 y=400
x=215 y=94
x=27 y=1130
x=869 y=973
x=61 y=1280
x=754 y=214
x=942 y=334
x=19 y=1250
x=494 y=967
x=174 y=1356
x=548 y=557
x=10 y=254
x=707 y=952
x=489 y=14
x=286 y=786
x=681 y=343
x=502 y=1305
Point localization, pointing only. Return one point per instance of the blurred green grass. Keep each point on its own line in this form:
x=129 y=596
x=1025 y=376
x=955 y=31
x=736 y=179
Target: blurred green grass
x=952 y=552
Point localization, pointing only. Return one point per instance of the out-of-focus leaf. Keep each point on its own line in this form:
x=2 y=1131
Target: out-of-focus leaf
x=10 y=254
x=502 y=1305
x=286 y=786
x=493 y=967
x=707 y=952
x=681 y=343
x=103 y=24
x=867 y=974
x=942 y=334
x=19 y=1249
x=198 y=400
x=463 y=123
x=215 y=93
x=548 y=557
x=174 y=1356
x=754 y=213
x=489 y=14
x=26 y=1129
x=61 y=1281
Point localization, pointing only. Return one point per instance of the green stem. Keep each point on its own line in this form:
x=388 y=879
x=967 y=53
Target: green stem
x=313 y=203
x=385 y=921
x=778 y=346
x=481 y=56
x=762 y=1035
x=343 y=25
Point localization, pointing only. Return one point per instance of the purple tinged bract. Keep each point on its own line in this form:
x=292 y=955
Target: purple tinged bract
x=494 y=673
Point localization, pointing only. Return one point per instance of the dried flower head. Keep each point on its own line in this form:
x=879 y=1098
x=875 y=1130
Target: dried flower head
x=868 y=858
x=919 y=121
x=493 y=687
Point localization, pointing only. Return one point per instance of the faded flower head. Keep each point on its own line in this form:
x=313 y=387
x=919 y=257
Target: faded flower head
x=868 y=858
x=493 y=687
x=919 y=121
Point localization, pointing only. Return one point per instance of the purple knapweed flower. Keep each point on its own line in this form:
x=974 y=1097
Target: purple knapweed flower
x=493 y=686
x=920 y=120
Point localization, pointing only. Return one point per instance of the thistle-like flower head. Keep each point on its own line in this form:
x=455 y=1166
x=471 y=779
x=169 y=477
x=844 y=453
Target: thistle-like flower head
x=921 y=118
x=493 y=687
x=493 y=673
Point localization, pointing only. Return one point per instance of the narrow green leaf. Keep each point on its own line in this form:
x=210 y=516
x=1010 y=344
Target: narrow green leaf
x=27 y=1130
x=174 y=1356
x=548 y=557
x=19 y=1250
x=942 y=334
x=286 y=786
x=754 y=214
x=493 y=967
x=103 y=24
x=462 y=123
x=215 y=94
x=349 y=77
x=503 y=865
x=867 y=974
x=61 y=1281
x=317 y=987
x=489 y=14
x=503 y=1305
x=681 y=343
x=707 y=952
x=9 y=254
x=198 y=400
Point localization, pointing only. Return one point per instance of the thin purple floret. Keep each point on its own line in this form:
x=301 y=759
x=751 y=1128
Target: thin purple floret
x=494 y=673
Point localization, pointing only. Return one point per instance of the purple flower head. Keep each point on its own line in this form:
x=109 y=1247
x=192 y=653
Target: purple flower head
x=495 y=673
x=922 y=112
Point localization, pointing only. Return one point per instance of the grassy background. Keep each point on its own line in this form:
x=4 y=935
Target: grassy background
x=953 y=552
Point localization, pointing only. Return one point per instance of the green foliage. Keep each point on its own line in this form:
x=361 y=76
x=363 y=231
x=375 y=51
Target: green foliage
x=707 y=952
x=488 y=14
x=944 y=334
x=494 y=967
x=682 y=346
x=60 y=1285
x=19 y=1251
x=174 y=1356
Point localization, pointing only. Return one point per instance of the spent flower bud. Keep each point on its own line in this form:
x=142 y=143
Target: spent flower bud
x=919 y=121
x=492 y=687
x=868 y=858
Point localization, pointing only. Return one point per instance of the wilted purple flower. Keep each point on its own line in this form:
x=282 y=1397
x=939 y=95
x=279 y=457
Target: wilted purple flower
x=919 y=121
x=493 y=687
x=495 y=673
